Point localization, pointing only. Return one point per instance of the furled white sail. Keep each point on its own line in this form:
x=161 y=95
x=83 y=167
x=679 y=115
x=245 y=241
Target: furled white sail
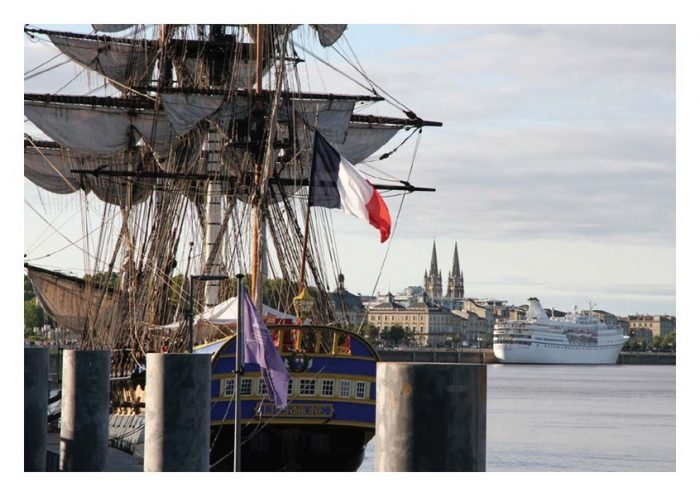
x=329 y=33
x=124 y=62
x=362 y=140
x=111 y=28
x=99 y=130
x=48 y=169
x=331 y=117
x=121 y=190
x=184 y=111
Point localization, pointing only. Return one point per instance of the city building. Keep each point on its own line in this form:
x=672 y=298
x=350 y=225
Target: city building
x=491 y=309
x=476 y=330
x=659 y=325
x=348 y=307
x=605 y=317
x=426 y=323
x=624 y=323
x=641 y=334
x=409 y=296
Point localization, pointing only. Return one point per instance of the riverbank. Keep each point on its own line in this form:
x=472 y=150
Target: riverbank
x=646 y=358
x=438 y=356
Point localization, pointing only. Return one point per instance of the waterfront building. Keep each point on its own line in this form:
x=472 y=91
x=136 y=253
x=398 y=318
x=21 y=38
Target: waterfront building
x=489 y=308
x=659 y=325
x=348 y=307
x=426 y=323
x=641 y=334
x=367 y=300
x=476 y=330
x=409 y=296
x=625 y=324
x=605 y=317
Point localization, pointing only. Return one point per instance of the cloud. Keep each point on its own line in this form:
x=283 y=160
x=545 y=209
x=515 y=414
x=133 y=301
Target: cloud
x=549 y=131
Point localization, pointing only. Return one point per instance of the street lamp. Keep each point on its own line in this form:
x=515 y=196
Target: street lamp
x=190 y=310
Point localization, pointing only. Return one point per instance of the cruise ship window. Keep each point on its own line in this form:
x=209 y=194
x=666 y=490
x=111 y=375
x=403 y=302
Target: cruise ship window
x=344 y=389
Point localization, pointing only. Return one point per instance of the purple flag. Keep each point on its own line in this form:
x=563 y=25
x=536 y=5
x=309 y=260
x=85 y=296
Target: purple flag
x=258 y=348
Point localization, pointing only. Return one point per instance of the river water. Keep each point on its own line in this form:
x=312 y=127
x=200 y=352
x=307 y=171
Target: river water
x=578 y=418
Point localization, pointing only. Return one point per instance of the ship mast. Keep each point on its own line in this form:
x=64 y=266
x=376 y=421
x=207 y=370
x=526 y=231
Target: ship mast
x=264 y=165
x=212 y=253
x=259 y=223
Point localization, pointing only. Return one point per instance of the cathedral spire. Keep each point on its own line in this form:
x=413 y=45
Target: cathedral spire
x=455 y=279
x=433 y=262
x=455 y=263
x=433 y=279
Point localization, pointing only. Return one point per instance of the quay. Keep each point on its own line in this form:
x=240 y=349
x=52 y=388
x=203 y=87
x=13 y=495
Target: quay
x=437 y=355
x=646 y=358
x=485 y=356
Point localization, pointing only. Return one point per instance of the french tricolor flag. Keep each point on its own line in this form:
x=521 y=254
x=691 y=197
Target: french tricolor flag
x=335 y=183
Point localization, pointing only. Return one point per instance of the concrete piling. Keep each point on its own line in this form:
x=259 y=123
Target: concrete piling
x=177 y=412
x=36 y=405
x=431 y=417
x=84 y=410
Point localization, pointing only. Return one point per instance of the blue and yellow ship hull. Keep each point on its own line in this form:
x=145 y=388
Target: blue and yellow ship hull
x=331 y=412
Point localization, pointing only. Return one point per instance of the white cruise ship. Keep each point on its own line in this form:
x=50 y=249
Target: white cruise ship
x=573 y=339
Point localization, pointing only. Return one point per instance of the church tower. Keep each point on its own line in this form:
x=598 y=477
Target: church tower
x=455 y=281
x=433 y=279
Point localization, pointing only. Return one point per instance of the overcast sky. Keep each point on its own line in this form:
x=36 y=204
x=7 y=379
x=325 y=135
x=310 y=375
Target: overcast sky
x=555 y=169
x=556 y=165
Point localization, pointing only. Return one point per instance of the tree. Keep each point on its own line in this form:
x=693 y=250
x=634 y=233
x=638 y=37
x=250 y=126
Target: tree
x=394 y=335
x=638 y=344
x=175 y=289
x=33 y=314
x=668 y=342
x=369 y=332
x=485 y=340
x=28 y=289
x=111 y=279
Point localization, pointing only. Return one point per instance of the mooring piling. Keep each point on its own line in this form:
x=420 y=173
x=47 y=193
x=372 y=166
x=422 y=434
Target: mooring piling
x=36 y=405
x=431 y=417
x=84 y=410
x=177 y=412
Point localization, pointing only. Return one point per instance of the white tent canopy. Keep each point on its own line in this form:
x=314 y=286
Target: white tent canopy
x=226 y=314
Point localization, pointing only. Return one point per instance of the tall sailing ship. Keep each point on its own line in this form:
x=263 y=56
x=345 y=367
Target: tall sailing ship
x=195 y=166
